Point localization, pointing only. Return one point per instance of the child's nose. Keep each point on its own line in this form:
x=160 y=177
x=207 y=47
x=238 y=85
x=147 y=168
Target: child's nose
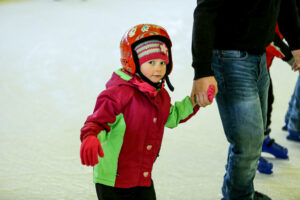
x=158 y=67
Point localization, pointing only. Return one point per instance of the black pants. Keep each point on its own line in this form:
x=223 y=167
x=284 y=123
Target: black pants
x=284 y=48
x=270 y=105
x=136 y=193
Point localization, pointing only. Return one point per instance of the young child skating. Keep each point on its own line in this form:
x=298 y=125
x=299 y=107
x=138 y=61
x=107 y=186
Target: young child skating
x=127 y=125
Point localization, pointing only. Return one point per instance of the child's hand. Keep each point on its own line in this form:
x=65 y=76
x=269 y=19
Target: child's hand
x=89 y=150
x=210 y=92
x=199 y=94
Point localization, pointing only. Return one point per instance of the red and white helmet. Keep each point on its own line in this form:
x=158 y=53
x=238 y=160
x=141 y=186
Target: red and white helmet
x=135 y=36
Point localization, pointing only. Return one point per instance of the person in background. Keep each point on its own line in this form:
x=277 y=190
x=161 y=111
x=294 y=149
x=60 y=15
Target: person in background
x=278 y=48
x=228 y=47
x=292 y=117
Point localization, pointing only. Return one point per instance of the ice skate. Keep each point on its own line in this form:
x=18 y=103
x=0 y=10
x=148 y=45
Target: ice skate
x=285 y=127
x=264 y=166
x=260 y=196
x=271 y=147
x=293 y=135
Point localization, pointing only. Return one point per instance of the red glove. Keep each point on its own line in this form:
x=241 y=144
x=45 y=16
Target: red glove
x=89 y=150
x=274 y=50
x=210 y=93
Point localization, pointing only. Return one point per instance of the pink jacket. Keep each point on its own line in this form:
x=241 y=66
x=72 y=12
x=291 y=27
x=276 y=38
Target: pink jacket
x=130 y=118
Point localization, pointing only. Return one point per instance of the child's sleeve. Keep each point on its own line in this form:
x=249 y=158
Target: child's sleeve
x=105 y=112
x=181 y=111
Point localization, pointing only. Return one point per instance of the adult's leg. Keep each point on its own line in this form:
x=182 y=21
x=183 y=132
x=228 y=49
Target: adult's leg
x=288 y=112
x=294 y=118
x=242 y=100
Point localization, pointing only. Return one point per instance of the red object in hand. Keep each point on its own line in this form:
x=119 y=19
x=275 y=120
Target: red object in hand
x=89 y=151
x=210 y=93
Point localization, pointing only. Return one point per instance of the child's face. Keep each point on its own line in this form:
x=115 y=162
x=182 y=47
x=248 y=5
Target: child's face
x=154 y=69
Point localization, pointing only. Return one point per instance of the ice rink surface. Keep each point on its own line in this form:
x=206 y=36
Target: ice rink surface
x=55 y=57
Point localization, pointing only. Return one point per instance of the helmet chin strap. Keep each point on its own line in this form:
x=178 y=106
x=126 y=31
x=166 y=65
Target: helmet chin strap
x=157 y=85
x=170 y=86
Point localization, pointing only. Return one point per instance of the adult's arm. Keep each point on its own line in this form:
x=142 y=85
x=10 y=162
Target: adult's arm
x=204 y=30
x=289 y=25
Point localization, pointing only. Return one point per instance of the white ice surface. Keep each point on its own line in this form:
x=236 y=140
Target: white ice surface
x=55 y=57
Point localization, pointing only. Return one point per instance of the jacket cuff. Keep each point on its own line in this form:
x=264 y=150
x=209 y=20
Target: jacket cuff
x=201 y=72
x=85 y=135
x=90 y=129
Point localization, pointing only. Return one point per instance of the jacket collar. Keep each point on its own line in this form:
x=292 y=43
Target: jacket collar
x=137 y=82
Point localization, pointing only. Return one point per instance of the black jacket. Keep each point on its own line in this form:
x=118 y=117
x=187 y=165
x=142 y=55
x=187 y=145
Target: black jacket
x=247 y=25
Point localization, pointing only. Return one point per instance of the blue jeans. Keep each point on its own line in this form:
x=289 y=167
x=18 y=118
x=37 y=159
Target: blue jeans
x=292 y=117
x=243 y=83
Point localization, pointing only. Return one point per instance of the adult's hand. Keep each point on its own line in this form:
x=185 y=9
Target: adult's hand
x=296 y=65
x=199 y=90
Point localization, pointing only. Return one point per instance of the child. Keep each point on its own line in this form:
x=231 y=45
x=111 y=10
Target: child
x=127 y=125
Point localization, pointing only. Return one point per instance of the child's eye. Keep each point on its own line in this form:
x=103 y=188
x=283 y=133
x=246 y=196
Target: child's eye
x=163 y=62
x=151 y=62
